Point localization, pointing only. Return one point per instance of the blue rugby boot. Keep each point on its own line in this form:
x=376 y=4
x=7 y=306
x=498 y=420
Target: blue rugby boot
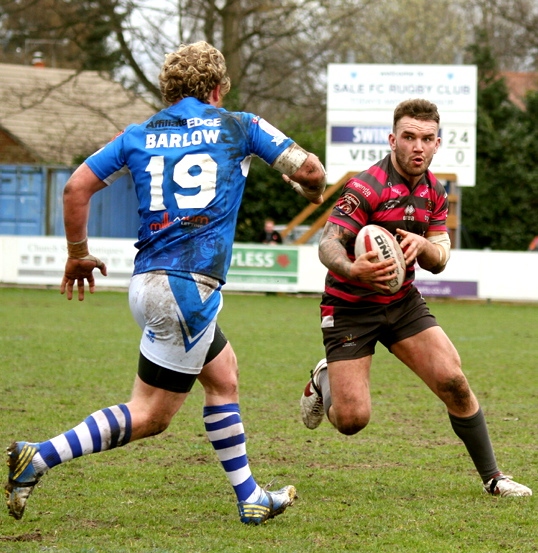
x=269 y=505
x=22 y=476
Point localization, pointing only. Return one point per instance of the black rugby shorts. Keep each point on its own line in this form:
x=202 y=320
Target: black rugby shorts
x=357 y=328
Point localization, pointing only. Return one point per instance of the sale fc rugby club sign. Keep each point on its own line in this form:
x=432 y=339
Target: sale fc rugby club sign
x=360 y=104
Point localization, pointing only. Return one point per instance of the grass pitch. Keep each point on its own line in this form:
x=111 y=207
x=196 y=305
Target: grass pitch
x=404 y=484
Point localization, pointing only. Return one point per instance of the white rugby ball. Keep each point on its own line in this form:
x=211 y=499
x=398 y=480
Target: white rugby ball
x=380 y=240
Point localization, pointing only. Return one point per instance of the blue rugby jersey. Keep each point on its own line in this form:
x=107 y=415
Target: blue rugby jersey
x=381 y=196
x=189 y=164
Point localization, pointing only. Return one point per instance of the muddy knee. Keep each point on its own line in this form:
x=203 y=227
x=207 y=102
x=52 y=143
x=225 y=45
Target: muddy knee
x=455 y=392
x=156 y=425
x=351 y=425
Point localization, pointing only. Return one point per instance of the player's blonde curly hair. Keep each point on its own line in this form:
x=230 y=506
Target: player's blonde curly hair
x=193 y=70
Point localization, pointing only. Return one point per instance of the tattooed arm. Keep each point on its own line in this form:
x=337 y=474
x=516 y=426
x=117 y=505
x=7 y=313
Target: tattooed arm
x=332 y=253
x=332 y=249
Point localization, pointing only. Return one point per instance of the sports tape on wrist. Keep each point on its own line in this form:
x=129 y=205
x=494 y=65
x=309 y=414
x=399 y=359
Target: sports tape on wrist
x=443 y=243
x=78 y=250
x=290 y=160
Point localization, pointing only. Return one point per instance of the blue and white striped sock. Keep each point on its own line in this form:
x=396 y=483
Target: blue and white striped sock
x=226 y=433
x=102 y=430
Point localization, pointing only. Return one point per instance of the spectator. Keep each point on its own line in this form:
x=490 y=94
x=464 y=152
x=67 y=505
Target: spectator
x=269 y=234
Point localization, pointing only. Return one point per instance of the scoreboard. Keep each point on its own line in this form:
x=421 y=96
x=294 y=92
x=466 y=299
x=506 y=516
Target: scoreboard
x=360 y=104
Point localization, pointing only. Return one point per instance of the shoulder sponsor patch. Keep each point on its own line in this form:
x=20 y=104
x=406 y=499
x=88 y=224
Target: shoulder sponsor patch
x=348 y=203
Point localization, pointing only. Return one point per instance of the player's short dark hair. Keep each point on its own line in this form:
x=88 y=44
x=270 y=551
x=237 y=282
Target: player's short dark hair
x=417 y=108
x=193 y=70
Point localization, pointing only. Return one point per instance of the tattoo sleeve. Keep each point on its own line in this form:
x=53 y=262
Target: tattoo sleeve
x=332 y=249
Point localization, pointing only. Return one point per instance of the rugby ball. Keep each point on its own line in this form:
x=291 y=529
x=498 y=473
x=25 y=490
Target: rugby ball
x=380 y=240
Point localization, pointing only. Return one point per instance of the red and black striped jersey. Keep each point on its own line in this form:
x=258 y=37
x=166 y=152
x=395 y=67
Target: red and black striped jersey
x=381 y=196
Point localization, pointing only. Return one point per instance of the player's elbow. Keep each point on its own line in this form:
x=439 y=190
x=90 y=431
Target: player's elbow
x=438 y=269
x=432 y=268
x=81 y=185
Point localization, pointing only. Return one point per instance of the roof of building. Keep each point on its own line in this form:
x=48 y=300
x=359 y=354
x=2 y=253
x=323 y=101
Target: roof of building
x=59 y=114
x=519 y=84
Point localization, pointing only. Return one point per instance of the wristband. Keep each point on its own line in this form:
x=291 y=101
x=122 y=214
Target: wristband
x=290 y=160
x=441 y=254
x=78 y=250
x=443 y=242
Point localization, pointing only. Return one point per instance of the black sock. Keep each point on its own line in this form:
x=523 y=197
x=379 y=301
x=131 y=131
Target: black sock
x=323 y=381
x=473 y=432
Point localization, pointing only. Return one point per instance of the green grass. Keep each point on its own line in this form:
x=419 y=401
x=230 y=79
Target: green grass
x=404 y=484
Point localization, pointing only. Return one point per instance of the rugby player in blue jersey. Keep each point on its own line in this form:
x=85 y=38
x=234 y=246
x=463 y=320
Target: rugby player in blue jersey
x=189 y=164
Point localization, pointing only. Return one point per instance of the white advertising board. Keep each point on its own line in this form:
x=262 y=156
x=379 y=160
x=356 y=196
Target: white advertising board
x=360 y=104
x=40 y=261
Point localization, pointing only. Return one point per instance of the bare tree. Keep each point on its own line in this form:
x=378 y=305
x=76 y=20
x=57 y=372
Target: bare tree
x=70 y=35
x=510 y=29
x=277 y=50
x=411 y=31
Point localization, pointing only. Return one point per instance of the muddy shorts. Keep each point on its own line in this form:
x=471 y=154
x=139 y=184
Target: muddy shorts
x=178 y=318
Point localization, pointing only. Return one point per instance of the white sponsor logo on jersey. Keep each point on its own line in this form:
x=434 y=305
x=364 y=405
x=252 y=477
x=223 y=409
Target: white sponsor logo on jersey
x=175 y=140
x=278 y=136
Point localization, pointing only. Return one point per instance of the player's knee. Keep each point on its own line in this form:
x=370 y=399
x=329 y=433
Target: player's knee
x=226 y=384
x=224 y=388
x=221 y=376
x=156 y=427
x=150 y=420
x=157 y=424
x=455 y=391
x=352 y=424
